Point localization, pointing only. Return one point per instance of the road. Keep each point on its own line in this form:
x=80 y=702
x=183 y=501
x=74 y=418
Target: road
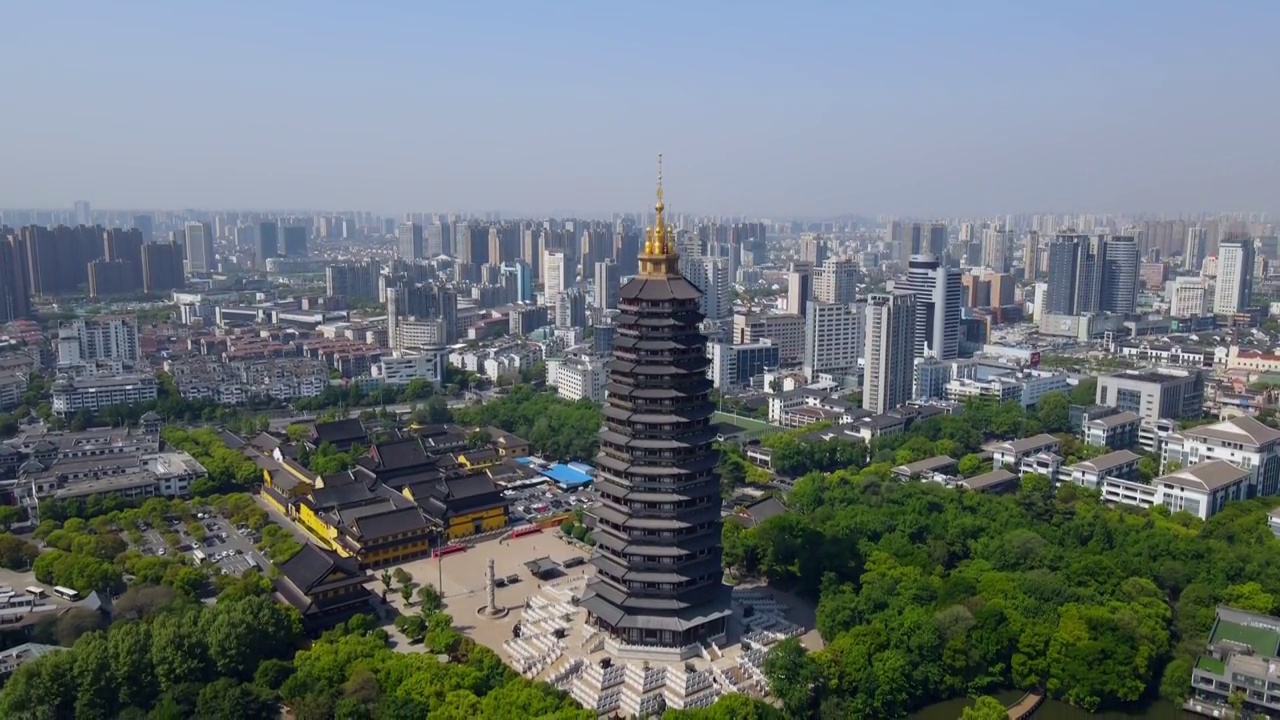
x=279 y=424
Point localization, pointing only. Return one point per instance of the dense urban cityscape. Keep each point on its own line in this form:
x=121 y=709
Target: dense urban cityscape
x=687 y=403
x=679 y=361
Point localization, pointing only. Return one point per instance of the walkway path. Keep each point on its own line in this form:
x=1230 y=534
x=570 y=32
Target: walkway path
x=1025 y=706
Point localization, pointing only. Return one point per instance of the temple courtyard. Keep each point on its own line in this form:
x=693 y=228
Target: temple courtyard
x=555 y=644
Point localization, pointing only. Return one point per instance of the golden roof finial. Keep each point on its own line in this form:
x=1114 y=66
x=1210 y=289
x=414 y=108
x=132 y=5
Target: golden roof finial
x=659 y=206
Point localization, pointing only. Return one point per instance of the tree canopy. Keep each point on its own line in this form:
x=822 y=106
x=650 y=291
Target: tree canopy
x=553 y=427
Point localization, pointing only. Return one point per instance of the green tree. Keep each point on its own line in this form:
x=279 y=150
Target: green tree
x=1053 y=410
x=985 y=708
x=793 y=677
x=226 y=699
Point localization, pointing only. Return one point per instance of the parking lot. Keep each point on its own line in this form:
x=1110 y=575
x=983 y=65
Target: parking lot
x=532 y=503
x=223 y=544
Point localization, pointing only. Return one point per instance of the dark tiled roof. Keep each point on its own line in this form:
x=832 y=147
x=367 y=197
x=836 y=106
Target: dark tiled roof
x=658 y=288
x=372 y=527
x=399 y=454
x=762 y=510
x=479 y=455
x=340 y=496
x=311 y=565
x=339 y=432
x=231 y=440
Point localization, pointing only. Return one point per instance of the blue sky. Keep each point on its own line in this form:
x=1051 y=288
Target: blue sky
x=763 y=108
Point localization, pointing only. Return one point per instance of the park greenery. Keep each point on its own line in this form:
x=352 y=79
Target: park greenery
x=927 y=593
x=228 y=469
x=554 y=427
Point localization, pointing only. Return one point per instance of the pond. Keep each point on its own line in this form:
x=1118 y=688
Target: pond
x=1056 y=710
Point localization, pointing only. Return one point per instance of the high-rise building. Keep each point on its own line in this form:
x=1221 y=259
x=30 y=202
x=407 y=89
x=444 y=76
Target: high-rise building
x=15 y=293
x=1188 y=297
x=1235 y=276
x=410 y=241
x=82 y=212
x=1196 y=247
x=571 y=309
x=1076 y=274
x=434 y=244
x=266 y=243
x=890 y=343
x=113 y=338
x=1120 y=275
x=123 y=246
x=606 y=285
x=1002 y=288
x=162 y=265
x=200 y=258
x=939 y=296
x=294 y=239
x=107 y=278
x=799 y=288
x=521 y=276
x=995 y=248
x=907 y=239
x=833 y=338
x=836 y=281
x=146 y=224
x=354 y=281
x=711 y=276
x=813 y=249
x=555 y=273
x=657 y=525
x=1031 y=256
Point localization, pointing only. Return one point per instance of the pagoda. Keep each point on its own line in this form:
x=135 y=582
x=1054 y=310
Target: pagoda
x=657 y=525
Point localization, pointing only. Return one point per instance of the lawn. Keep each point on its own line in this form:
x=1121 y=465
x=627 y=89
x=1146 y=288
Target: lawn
x=744 y=423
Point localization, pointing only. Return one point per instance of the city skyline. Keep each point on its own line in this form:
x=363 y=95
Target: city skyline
x=1088 y=109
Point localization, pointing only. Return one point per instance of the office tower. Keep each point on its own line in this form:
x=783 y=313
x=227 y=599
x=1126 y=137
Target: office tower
x=711 y=276
x=813 y=249
x=294 y=239
x=799 y=288
x=1076 y=270
x=606 y=286
x=521 y=277
x=571 y=309
x=200 y=258
x=1120 y=275
x=995 y=248
x=833 y=338
x=1196 y=247
x=836 y=281
x=939 y=296
x=626 y=249
x=433 y=240
x=595 y=247
x=82 y=212
x=146 y=224
x=114 y=338
x=15 y=293
x=1031 y=256
x=657 y=526
x=471 y=241
x=889 y=344
x=929 y=378
x=1188 y=297
x=410 y=240
x=354 y=281
x=976 y=290
x=555 y=272
x=162 y=265
x=1002 y=288
x=266 y=243
x=907 y=239
x=1235 y=276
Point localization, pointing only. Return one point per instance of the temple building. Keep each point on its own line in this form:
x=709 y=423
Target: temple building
x=657 y=526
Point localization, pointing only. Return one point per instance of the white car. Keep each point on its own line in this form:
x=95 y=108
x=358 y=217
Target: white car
x=160 y=551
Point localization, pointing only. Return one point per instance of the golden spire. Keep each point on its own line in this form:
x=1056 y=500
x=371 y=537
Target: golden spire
x=659 y=250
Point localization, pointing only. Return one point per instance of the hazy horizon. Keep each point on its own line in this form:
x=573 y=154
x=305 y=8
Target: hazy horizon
x=924 y=109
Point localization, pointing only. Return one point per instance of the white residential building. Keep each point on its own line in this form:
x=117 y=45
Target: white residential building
x=1122 y=464
x=890 y=344
x=1234 y=289
x=1201 y=490
x=84 y=341
x=70 y=396
x=1013 y=452
x=555 y=273
x=834 y=338
x=404 y=368
x=1189 y=296
x=580 y=378
x=1241 y=441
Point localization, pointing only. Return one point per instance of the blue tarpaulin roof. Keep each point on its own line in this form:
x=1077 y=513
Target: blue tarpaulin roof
x=568 y=475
